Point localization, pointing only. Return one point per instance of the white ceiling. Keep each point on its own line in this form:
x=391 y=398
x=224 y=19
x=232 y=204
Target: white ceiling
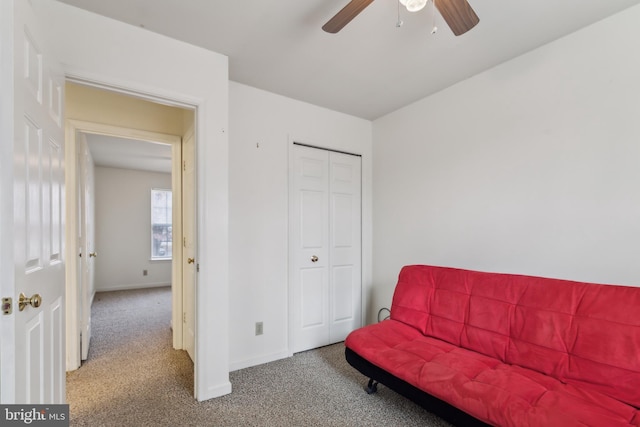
x=123 y=153
x=371 y=67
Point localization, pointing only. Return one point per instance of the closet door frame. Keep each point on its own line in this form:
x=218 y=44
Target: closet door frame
x=325 y=282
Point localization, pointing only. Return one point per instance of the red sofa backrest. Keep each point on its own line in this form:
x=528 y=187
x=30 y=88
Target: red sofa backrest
x=580 y=333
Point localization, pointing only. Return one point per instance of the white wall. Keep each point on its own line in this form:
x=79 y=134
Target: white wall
x=262 y=127
x=95 y=49
x=532 y=167
x=123 y=229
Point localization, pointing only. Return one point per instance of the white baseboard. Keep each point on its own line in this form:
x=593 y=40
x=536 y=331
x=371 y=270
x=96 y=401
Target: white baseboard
x=132 y=286
x=216 y=391
x=254 y=361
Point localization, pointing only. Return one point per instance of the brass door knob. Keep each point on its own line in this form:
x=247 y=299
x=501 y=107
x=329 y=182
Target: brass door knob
x=93 y=255
x=191 y=260
x=314 y=258
x=34 y=301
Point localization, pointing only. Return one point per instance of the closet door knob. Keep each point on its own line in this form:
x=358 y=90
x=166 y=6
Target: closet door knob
x=314 y=259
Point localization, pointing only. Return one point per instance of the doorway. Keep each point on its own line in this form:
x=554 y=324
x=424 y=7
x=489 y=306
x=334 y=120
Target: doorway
x=325 y=246
x=102 y=109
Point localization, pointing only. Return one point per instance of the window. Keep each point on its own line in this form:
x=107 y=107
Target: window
x=161 y=236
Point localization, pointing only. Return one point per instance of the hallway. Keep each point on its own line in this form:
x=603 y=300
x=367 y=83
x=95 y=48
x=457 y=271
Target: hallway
x=132 y=369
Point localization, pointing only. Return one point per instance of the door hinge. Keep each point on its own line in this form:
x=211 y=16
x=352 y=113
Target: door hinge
x=184 y=242
x=184 y=317
x=7 y=306
x=184 y=165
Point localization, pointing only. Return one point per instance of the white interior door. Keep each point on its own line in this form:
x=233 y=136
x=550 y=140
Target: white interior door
x=326 y=247
x=87 y=242
x=189 y=264
x=310 y=237
x=345 y=245
x=32 y=355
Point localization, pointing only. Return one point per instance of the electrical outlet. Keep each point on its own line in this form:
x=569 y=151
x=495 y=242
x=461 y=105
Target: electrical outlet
x=259 y=329
x=145 y=272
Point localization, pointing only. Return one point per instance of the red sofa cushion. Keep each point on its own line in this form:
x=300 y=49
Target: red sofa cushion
x=582 y=334
x=494 y=392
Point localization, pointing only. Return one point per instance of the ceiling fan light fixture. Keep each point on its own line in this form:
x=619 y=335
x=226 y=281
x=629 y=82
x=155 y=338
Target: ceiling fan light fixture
x=414 y=5
x=458 y=14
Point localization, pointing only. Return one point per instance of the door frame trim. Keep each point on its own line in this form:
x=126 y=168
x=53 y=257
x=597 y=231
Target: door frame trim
x=73 y=294
x=211 y=367
x=7 y=273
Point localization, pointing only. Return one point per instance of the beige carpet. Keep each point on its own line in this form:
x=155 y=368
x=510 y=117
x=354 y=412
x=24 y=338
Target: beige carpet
x=133 y=377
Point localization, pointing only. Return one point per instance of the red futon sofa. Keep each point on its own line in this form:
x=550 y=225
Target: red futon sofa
x=507 y=350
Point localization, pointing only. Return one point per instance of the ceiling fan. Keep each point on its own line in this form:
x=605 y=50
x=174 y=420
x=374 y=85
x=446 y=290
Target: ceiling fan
x=458 y=14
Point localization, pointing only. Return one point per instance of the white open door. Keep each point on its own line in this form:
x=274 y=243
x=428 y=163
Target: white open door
x=32 y=358
x=189 y=265
x=87 y=258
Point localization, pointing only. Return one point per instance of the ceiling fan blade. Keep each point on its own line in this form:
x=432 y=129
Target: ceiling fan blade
x=458 y=14
x=342 y=18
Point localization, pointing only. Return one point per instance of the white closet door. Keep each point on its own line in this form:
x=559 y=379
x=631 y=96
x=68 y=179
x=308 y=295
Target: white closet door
x=325 y=241
x=345 y=281
x=310 y=239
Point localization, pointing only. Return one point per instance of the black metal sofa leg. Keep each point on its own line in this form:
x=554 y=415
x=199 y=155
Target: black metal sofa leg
x=372 y=387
